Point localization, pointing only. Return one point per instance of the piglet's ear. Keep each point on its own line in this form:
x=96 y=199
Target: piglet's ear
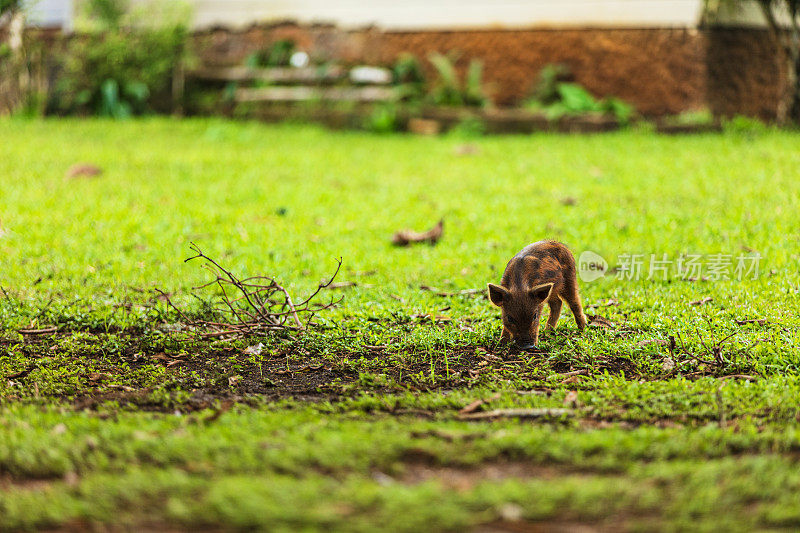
x=541 y=292
x=498 y=294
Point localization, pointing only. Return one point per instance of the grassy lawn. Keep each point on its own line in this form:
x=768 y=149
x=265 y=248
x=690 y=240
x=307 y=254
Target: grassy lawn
x=678 y=409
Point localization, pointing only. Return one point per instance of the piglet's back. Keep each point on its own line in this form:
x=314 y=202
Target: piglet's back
x=540 y=262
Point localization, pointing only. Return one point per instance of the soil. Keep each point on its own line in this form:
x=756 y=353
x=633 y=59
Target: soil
x=228 y=375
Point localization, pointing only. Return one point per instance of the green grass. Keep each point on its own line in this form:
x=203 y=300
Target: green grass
x=124 y=420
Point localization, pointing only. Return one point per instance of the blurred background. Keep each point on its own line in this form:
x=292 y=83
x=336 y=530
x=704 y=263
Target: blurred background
x=426 y=66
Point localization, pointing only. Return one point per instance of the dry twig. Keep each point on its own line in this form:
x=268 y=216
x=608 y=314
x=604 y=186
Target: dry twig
x=253 y=305
x=407 y=236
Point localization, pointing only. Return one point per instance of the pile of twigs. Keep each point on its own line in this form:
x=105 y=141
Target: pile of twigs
x=253 y=305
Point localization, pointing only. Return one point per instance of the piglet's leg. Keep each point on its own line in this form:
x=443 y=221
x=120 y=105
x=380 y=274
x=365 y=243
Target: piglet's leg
x=505 y=335
x=555 y=312
x=535 y=333
x=577 y=310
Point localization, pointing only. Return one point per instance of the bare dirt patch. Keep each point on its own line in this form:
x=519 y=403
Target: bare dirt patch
x=548 y=526
x=466 y=478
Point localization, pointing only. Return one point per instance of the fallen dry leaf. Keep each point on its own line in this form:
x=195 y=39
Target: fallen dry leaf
x=164 y=296
x=255 y=349
x=466 y=149
x=599 y=322
x=746 y=377
x=511 y=512
x=423 y=126
x=580 y=372
x=465 y=292
x=21 y=373
x=651 y=341
x=431 y=316
x=41 y=331
x=608 y=303
x=83 y=170
x=71 y=479
x=406 y=237
x=124 y=388
x=702 y=301
x=571 y=399
x=343 y=285
x=759 y=321
x=473 y=406
x=519 y=413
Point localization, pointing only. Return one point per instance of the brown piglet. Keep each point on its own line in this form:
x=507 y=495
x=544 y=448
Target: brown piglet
x=541 y=272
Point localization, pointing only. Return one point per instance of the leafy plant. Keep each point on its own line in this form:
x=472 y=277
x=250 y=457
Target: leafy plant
x=470 y=127
x=747 y=126
x=9 y=5
x=122 y=104
x=473 y=86
x=106 y=13
x=383 y=119
x=546 y=90
x=449 y=89
x=277 y=55
x=408 y=78
x=691 y=118
x=559 y=98
x=619 y=109
x=123 y=62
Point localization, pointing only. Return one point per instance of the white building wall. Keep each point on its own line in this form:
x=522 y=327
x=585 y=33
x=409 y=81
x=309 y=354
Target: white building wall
x=435 y=14
x=453 y=14
x=49 y=13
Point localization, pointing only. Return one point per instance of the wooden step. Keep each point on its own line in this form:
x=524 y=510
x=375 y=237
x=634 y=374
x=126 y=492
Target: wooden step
x=271 y=75
x=301 y=94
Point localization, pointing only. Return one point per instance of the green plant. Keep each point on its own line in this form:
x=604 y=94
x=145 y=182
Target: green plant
x=473 y=85
x=449 y=90
x=9 y=5
x=619 y=109
x=277 y=55
x=574 y=99
x=558 y=98
x=745 y=125
x=408 y=78
x=106 y=13
x=121 y=104
x=546 y=90
x=468 y=128
x=383 y=119
x=691 y=118
x=123 y=62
